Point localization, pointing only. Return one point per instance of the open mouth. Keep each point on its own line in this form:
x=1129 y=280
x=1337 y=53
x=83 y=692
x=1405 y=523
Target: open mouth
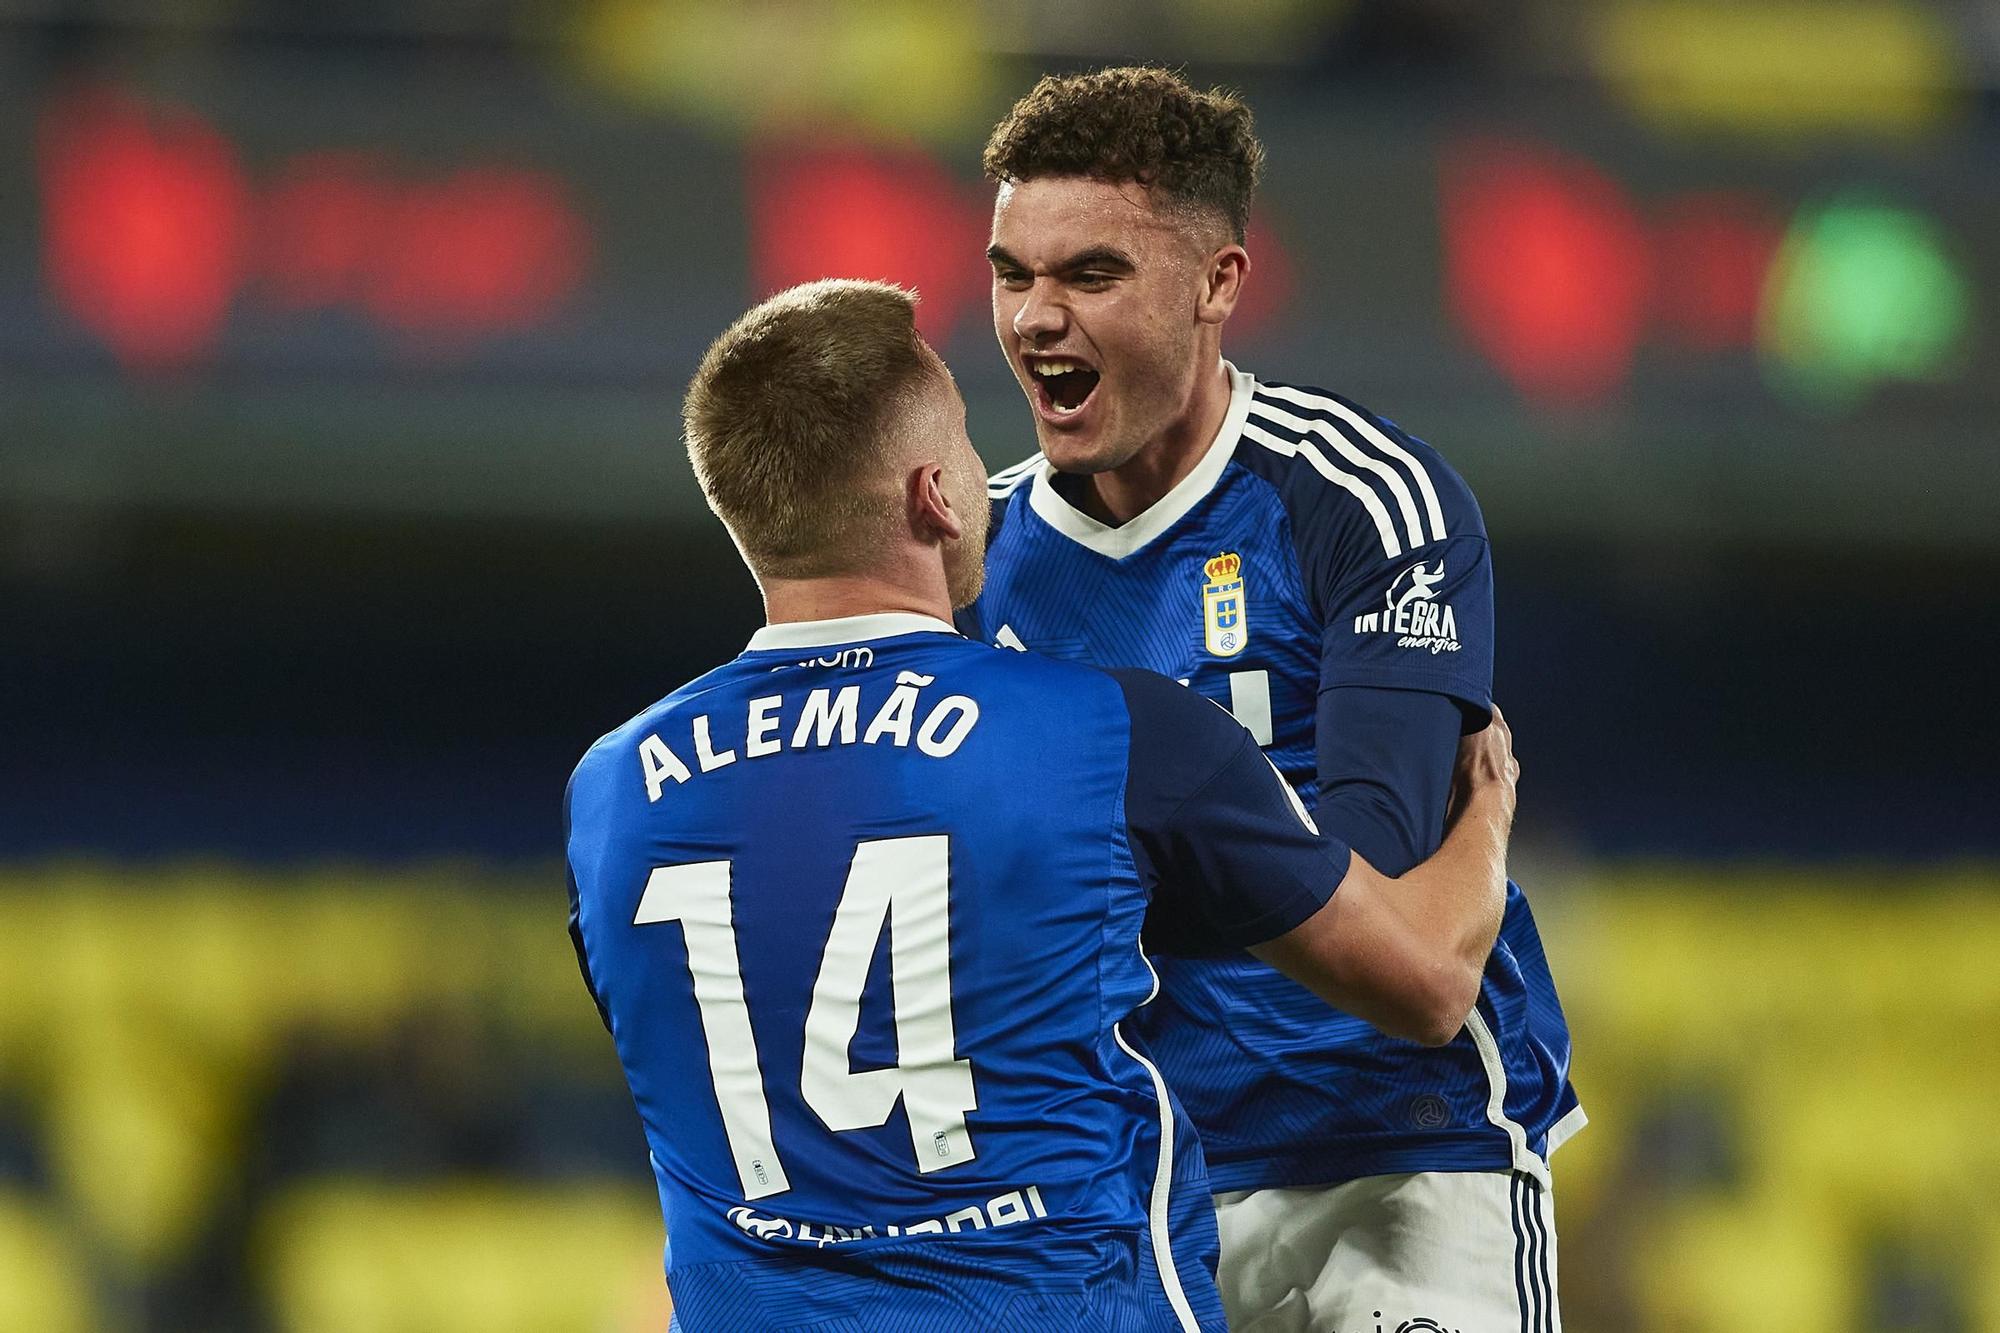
x=1062 y=384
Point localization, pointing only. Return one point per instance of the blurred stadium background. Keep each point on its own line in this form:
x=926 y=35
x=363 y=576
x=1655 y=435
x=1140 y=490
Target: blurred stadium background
x=341 y=505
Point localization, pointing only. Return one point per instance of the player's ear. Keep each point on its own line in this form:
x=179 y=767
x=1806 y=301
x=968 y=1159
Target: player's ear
x=1222 y=283
x=931 y=511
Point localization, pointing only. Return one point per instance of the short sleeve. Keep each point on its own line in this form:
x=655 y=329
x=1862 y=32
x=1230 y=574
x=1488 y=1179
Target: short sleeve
x=1422 y=620
x=1390 y=542
x=1223 y=844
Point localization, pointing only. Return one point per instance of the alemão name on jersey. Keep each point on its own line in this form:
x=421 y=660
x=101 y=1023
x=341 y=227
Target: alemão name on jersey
x=813 y=720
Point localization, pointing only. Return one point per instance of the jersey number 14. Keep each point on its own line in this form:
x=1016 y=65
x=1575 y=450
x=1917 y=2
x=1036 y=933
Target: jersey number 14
x=899 y=884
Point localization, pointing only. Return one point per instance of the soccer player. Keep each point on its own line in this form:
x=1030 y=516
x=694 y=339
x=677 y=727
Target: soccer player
x=1324 y=575
x=862 y=907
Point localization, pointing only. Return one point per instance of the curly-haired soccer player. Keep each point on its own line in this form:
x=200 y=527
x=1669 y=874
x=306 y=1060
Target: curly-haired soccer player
x=1324 y=575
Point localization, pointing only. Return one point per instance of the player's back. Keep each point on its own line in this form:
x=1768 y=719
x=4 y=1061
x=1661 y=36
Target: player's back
x=862 y=917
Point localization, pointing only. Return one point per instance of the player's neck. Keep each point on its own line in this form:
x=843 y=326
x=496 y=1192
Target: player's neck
x=838 y=596
x=1122 y=494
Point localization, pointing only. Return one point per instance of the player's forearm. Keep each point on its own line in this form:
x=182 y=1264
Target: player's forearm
x=1454 y=901
x=1407 y=953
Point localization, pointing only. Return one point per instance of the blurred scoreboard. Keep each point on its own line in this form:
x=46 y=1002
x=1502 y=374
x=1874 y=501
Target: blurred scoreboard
x=268 y=282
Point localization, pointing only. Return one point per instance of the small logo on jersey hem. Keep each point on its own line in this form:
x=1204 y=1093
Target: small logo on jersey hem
x=1413 y=613
x=1430 y=1111
x=1225 y=612
x=1004 y=1210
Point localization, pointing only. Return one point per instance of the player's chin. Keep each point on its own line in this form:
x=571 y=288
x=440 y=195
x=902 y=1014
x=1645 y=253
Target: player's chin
x=1075 y=447
x=1064 y=453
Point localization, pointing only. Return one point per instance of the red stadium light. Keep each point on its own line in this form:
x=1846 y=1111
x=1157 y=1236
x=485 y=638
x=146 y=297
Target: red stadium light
x=485 y=251
x=323 y=226
x=152 y=231
x=1268 y=289
x=1556 y=278
x=1547 y=268
x=488 y=250
x=1714 y=253
x=145 y=226
x=860 y=213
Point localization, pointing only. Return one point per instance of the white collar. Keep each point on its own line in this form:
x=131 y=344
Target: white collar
x=847 y=629
x=1163 y=513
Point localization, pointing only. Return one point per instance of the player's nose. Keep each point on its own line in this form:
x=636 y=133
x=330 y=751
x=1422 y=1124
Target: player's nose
x=1040 y=318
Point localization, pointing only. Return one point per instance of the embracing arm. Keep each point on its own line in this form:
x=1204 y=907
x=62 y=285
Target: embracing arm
x=1407 y=952
x=1234 y=861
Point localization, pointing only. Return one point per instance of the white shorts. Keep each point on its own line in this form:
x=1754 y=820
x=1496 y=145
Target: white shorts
x=1464 y=1252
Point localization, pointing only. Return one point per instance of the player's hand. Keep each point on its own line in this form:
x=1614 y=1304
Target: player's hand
x=1486 y=766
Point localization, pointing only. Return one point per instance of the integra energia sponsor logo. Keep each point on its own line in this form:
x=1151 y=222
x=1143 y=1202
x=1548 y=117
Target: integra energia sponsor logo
x=1412 y=612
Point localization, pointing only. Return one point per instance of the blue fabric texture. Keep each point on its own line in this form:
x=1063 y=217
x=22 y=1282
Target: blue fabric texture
x=1352 y=567
x=720 y=849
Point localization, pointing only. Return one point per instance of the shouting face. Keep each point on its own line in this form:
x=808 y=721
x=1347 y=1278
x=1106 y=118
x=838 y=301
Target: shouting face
x=1099 y=302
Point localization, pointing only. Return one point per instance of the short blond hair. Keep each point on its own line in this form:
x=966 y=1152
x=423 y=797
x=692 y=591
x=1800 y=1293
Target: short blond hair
x=788 y=416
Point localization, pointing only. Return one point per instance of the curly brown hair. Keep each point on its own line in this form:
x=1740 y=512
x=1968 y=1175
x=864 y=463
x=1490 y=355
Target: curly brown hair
x=1135 y=123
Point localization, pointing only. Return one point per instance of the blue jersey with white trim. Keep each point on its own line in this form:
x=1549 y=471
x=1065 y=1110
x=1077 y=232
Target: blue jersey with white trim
x=862 y=910
x=1315 y=551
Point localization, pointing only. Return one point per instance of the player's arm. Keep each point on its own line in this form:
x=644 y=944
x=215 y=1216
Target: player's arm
x=1407 y=952
x=576 y=908
x=1396 y=692
x=1234 y=860
x=1385 y=762
x=1404 y=591
x=1398 y=780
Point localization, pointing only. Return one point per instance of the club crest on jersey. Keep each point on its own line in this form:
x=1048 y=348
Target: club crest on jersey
x=1225 y=615
x=1413 y=612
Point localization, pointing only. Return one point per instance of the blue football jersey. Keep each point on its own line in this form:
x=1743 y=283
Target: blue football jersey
x=1314 y=546
x=862 y=910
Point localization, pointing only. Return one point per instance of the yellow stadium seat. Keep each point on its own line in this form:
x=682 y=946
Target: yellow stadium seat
x=1985 y=1300
x=141 y=1136
x=1883 y=1137
x=1727 y=1265
x=43 y=1285
x=1838 y=1018
x=353 y=1257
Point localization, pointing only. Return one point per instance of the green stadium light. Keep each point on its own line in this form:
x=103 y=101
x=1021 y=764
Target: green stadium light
x=1862 y=292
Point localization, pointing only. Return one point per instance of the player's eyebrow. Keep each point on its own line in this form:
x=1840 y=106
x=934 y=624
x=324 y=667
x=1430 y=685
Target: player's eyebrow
x=1096 y=256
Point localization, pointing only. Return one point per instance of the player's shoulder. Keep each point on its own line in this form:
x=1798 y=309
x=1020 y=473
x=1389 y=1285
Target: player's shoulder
x=1164 y=708
x=1009 y=484
x=1060 y=685
x=1001 y=485
x=1072 y=689
x=1336 y=461
x=615 y=746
